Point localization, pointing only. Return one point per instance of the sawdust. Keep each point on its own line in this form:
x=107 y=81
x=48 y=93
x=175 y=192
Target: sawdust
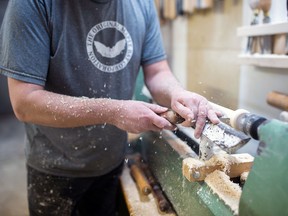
x=244 y=176
x=223 y=160
x=228 y=191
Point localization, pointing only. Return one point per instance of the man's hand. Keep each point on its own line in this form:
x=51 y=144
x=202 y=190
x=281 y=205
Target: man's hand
x=137 y=117
x=167 y=91
x=195 y=109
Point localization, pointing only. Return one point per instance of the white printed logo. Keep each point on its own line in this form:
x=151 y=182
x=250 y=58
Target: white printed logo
x=98 y=51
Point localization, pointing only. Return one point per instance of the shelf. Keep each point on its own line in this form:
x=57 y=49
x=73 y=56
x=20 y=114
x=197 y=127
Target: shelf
x=263 y=29
x=274 y=61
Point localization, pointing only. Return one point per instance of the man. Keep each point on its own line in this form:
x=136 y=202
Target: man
x=72 y=67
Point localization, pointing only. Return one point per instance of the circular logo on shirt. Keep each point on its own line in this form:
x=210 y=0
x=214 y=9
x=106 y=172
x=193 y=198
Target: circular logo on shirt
x=109 y=46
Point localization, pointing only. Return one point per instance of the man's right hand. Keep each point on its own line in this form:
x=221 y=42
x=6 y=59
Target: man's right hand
x=137 y=117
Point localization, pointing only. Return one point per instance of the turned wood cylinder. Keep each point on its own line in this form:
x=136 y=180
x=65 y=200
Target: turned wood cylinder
x=278 y=100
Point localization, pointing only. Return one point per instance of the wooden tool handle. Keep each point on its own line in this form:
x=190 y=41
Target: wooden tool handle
x=170 y=9
x=140 y=180
x=175 y=118
x=265 y=5
x=172 y=117
x=278 y=100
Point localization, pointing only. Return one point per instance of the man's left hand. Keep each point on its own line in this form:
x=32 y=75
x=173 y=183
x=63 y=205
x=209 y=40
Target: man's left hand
x=195 y=109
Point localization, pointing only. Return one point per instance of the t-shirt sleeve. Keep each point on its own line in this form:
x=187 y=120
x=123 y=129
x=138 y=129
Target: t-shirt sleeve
x=25 y=42
x=153 y=50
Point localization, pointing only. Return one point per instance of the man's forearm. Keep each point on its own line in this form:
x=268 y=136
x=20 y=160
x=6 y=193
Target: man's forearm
x=55 y=110
x=161 y=83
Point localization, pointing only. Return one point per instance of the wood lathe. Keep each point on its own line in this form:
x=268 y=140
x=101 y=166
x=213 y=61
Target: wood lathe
x=226 y=184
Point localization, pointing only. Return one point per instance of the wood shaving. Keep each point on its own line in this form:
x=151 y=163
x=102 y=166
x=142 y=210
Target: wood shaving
x=244 y=176
x=228 y=191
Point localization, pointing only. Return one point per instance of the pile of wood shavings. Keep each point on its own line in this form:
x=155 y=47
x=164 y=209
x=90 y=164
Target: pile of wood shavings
x=218 y=135
x=228 y=191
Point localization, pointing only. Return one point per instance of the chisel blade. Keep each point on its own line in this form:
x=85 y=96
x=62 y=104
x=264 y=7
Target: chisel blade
x=224 y=136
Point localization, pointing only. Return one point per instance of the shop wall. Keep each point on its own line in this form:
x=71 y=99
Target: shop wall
x=213 y=47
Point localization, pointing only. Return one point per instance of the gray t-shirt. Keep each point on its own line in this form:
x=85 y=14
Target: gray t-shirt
x=83 y=48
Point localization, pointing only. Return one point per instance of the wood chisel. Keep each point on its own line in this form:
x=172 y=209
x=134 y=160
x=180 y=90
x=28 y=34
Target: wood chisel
x=221 y=134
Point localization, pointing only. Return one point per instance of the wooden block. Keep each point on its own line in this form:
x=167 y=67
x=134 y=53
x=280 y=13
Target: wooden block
x=233 y=165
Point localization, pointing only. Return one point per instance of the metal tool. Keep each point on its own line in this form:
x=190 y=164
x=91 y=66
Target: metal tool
x=266 y=40
x=253 y=42
x=219 y=134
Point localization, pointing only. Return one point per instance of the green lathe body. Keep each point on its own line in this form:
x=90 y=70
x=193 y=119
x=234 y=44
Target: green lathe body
x=264 y=193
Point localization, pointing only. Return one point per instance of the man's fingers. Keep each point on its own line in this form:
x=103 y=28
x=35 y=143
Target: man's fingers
x=185 y=112
x=201 y=118
x=199 y=127
x=213 y=116
x=156 y=108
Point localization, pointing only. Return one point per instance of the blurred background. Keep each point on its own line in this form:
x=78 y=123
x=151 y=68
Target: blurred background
x=12 y=159
x=203 y=49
